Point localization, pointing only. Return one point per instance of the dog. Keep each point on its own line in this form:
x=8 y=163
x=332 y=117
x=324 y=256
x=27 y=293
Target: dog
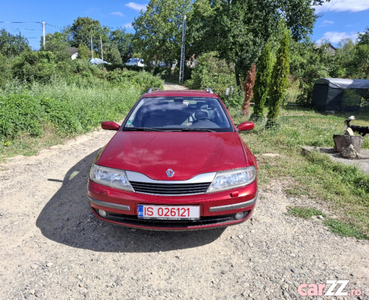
x=363 y=130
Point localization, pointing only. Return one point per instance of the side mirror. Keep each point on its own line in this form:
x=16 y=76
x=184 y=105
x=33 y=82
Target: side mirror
x=109 y=125
x=246 y=126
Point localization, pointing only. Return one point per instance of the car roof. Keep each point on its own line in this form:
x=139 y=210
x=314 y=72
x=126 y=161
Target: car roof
x=180 y=93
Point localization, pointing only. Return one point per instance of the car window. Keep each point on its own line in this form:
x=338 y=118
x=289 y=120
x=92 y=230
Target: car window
x=178 y=114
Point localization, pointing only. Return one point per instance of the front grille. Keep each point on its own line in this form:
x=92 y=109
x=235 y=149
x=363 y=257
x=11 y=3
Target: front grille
x=170 y=189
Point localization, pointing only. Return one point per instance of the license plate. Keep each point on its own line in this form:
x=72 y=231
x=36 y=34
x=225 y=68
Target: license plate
x=168 y=212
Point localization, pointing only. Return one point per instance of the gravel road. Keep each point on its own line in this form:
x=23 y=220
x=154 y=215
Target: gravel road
x=54 y=248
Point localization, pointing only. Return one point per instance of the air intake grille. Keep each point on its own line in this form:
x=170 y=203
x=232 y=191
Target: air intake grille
x=170 y=189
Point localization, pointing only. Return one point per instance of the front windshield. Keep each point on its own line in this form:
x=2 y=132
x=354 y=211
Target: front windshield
x=178 y=114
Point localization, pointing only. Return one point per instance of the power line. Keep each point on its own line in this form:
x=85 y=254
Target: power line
x=44 y=24
x=18 y=22
x=56 y=26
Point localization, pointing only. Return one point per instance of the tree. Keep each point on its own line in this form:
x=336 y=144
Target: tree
x=279 y=80
x=248 y=86
x=83 y=52
x=12 y=45
x=262 y=81
x=57 y=44
x=343 y=59
x=212 y=72
x=123 y=41
x=360 y=62
x=112 y=55
x=158 y=29
x=307 y=64
x=363 y=38
x=239 y=29
x=83 y=29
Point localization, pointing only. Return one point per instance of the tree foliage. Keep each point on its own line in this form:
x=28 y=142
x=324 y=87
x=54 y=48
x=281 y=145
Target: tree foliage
x=112 y=55
x=85 y=29
x=363 y=38
x=343 y=59
x=57 y=44
x=262 y=82
x=360 y=62
x=159 y=29
x=12 y=45
x=279 y=81
x=212 y=72
x=123 y=41
x=307 y=64
x=239 y=29
x=83 y=52
x=35 y=66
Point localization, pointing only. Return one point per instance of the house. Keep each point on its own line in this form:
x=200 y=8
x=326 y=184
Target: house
x=328 y=47
x=73 y=52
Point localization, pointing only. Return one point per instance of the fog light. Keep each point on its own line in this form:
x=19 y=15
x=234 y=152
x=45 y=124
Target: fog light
x=102 y=213
x=239 y=216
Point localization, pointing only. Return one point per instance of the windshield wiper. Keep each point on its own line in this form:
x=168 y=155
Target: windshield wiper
x=142 y=129
x=197 y=129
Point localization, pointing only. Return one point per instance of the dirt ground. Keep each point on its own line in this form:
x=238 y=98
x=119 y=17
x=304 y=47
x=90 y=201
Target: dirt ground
x=54 y=248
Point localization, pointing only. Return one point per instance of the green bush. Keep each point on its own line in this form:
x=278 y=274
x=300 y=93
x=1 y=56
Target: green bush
x=20 y=113
x=68 y=108
x=5 y=70
x=214 y=73
x=35 y=66
x=70 y=96
x=142 y=80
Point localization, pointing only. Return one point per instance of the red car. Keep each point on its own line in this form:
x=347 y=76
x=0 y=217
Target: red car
x=176 y=163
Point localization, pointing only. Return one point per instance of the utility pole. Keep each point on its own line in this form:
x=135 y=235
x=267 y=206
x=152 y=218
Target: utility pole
x=182 y=61
x=43 y=35
x=92 y=52
x=102 y=52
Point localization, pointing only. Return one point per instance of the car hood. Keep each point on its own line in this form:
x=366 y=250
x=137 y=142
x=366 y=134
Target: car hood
x=186 y=153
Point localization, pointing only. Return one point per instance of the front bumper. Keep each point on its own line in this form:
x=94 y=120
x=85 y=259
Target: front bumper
x=216 y=209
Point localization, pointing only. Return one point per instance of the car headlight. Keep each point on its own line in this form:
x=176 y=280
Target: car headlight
x=110 y=177
x=231 y=179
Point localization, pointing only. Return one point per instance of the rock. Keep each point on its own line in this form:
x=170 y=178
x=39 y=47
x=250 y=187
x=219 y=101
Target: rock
x=344 y=141
x=349 y=152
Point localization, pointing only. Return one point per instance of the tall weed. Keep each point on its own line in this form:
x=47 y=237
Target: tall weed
x=69 y=108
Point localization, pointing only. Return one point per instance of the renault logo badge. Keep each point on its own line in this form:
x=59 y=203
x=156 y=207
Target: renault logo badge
x=170 y=173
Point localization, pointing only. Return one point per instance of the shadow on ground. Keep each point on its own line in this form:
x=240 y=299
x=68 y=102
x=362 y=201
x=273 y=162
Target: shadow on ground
x=67 y=219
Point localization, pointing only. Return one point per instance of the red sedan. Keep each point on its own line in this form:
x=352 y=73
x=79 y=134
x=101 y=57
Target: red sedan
x=176 y=163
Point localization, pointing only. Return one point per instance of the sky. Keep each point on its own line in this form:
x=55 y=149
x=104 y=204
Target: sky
x=338 y=19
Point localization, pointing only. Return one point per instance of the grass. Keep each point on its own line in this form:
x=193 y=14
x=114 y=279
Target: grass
x=344 y=188
x=344 y=229
x=39 y=116
x=336 y=226
x=304 y=212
